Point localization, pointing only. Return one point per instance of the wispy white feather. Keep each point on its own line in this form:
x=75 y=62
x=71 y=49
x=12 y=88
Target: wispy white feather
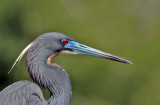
x=20 y=56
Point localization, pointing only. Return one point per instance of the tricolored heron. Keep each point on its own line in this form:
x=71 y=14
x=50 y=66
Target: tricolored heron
x=46 y=74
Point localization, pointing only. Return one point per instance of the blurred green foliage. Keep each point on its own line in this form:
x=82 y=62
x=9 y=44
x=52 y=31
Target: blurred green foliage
x=127 y=28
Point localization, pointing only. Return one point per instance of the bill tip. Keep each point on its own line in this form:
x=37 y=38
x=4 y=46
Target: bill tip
x=128 y=62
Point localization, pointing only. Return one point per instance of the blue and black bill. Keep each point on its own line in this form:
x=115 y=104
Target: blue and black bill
x=83 y=49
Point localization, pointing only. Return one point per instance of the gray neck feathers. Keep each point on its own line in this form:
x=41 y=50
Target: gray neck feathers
x=53 y=78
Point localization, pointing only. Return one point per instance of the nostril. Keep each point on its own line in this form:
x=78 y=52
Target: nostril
x=83 y=46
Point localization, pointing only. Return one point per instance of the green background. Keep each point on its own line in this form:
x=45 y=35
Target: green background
x=126 y=28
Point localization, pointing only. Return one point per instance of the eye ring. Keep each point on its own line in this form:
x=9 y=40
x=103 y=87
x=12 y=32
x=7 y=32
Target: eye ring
x=64 y=41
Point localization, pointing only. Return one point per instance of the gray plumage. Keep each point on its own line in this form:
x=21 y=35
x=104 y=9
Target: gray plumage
x=46 y=74
x=53 y=78
x=22 y=93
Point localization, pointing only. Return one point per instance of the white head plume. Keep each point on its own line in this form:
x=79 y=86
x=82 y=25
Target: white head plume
x=20 y=56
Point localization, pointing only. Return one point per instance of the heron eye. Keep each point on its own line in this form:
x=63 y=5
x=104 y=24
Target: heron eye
x=64 y=41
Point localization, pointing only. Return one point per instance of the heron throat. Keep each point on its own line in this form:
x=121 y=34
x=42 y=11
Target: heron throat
x=49 y=75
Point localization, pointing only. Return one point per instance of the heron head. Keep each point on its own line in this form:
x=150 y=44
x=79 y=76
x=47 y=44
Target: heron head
x=62 y=44
x=58 y=43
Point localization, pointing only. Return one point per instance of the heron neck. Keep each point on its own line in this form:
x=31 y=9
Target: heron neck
x=53 y=78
